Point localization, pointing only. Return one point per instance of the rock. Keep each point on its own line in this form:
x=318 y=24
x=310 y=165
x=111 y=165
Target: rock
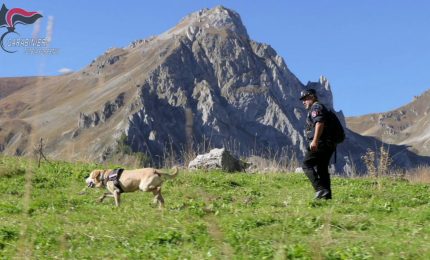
x=93 y=119
x=217 y=159
x=299 y=170
x=87 y=121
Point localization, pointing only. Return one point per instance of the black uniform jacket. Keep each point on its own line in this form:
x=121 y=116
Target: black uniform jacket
x=317 y=113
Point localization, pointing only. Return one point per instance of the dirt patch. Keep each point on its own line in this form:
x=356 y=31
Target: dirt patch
x=214 y=229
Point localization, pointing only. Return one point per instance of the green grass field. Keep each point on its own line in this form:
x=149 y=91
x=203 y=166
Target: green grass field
x=209 y=215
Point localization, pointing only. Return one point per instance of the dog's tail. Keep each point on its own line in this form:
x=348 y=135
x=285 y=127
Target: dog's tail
x=167 y=176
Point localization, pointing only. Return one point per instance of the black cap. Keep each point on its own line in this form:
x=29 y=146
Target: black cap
x=307 y=92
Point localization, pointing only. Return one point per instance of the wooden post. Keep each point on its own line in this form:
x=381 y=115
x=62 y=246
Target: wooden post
x=40 y=154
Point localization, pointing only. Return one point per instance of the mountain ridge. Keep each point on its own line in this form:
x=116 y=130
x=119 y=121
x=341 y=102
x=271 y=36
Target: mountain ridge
x=407 y=125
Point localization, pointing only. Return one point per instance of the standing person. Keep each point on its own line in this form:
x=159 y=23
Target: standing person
x=319 y=147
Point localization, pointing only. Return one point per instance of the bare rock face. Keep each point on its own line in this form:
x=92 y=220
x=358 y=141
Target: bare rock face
x=240 y=93
x=109 y=108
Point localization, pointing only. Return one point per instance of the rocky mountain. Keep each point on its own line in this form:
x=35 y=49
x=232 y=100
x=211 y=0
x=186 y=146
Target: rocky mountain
x=408 y=125
x=202 y=84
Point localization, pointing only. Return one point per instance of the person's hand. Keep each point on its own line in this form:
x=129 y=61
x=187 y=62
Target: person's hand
x=314 y=146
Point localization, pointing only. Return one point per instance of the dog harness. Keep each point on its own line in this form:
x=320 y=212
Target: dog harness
x=114 y=177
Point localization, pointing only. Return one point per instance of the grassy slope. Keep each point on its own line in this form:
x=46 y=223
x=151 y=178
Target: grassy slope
x=210 y=215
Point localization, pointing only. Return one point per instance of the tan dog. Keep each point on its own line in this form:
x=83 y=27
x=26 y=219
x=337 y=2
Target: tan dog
x=146 y=179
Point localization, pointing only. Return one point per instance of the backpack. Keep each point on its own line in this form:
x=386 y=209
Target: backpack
x=337 y=133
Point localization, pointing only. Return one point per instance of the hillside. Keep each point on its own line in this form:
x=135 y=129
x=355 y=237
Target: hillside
x=408 y=125
x=209 y=215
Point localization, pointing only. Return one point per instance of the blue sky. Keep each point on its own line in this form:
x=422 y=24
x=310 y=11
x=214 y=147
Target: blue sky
x=376 y=54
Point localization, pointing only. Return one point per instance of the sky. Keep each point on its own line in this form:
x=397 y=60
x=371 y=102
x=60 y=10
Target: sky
x=376 y=54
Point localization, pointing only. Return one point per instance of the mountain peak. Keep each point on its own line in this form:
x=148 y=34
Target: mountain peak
x=218 y=18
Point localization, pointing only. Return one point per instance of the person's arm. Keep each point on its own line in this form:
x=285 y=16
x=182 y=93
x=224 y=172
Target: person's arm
x=319 y=127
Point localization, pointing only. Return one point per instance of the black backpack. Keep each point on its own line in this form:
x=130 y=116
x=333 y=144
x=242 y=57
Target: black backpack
x=337 y=133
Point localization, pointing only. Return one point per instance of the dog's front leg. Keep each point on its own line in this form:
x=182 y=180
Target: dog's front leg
x=158 y=198
x=106 y=194
x=117 y=197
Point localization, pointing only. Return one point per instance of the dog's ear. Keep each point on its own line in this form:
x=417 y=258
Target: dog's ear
x=95 y=175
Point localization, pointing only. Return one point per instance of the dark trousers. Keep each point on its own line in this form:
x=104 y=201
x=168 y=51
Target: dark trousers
x=315 y=166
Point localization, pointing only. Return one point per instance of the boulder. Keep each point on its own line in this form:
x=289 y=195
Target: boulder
x=217 y=158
